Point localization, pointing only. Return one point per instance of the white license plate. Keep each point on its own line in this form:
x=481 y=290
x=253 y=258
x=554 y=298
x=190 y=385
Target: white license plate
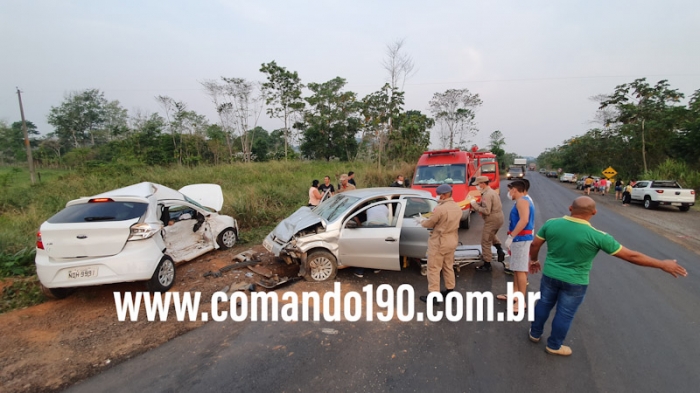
x=87 y=272
x=267 y=244
x=676 y=204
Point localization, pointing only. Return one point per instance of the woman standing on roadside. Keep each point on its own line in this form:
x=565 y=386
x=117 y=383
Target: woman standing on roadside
x=618 y=189
x=314 y=194
x=627 y=195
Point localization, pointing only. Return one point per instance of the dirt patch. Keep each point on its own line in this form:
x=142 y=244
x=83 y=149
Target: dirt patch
x=55 y=344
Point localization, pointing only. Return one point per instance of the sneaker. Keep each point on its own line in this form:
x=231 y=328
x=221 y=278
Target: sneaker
x=563 y=351
x=533 y=339
x=486 y=267
x=507 y=271
x=358 y=275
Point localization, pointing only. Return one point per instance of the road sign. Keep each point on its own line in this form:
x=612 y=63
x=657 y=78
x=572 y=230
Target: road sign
x=609 y=172
x=559 y=170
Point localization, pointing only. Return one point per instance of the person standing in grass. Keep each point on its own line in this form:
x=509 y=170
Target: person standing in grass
x=344 y=184
x=314 y=194
x=326 y=186
x=351 y=178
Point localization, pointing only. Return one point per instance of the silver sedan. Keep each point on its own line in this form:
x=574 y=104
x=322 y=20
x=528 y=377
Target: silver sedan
x=370 y=228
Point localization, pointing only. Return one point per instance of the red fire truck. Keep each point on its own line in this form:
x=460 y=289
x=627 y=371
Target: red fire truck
x=457 y=168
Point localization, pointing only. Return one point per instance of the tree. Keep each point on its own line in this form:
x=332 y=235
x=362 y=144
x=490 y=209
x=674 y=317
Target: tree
x=454 y=110
x=331 y=123
x=239 y=104
x=283 y=94
x=12 y=148
x=411 y=136
x=646 y=111
x=85 y=117
x=398 y=64
x=379 y=109
x=496 y=143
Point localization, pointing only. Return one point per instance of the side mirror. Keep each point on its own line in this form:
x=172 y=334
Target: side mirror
x=351 y=224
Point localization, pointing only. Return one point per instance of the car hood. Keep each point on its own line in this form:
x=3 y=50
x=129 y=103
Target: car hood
x=207 y=195
x=300 y=220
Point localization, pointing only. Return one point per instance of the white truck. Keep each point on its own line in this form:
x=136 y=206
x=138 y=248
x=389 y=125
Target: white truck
x=520 y=162
x=653 y=193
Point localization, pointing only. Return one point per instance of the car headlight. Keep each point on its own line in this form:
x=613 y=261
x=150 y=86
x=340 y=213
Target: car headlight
x=143 y=231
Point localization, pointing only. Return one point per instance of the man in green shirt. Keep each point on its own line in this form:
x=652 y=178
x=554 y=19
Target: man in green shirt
x=572 y=243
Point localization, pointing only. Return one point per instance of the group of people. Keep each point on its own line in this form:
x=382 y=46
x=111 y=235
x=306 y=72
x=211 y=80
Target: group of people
x=572 y=242
x=601 y=186
x=622 y=192
x=316 y=192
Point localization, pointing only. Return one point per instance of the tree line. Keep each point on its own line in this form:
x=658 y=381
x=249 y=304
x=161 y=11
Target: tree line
x=330 y=122
x=642 y=130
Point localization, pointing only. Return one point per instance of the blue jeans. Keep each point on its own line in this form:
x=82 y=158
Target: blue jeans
x=567 y=297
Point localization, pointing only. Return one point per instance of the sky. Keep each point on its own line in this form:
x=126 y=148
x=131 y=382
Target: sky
x=535 y=64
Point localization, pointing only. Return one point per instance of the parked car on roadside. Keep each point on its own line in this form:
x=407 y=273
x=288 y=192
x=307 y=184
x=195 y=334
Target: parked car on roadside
x=568 y=178
x=135 y=233
x=582 y=181
x=543 y=171
x=552 y=174
x=653 y=193
x=328 y=237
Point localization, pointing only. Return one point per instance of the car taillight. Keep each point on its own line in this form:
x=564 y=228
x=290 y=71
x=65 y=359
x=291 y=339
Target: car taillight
x=39 y=243
x=143 y=231
x=659 y=191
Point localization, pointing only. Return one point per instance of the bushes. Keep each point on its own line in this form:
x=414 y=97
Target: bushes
x=675 y=170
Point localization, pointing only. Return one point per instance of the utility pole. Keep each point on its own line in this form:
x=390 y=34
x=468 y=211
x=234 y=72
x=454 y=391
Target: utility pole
x=26 y=139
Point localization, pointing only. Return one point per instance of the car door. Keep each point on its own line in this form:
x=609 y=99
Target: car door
x=638 y=190
x=372 y=246
x=414 y=238
x=187 y=234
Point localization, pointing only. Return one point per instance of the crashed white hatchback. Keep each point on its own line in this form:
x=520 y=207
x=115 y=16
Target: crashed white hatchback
x=135 y=233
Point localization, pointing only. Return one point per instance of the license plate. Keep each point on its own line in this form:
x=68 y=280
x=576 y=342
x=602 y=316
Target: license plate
x=77 y=274
x=267 y=244
x=676 y=204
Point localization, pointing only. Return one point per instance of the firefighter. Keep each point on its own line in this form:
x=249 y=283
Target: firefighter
x=443 y=241
x=491 y=210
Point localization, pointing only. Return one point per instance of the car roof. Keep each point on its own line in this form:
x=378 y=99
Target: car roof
x=379 y=191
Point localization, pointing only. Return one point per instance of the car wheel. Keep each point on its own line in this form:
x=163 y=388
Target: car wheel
x=164 y=276
x=57 y=293
x=648 y=204
x=684 y=208
x=321 y=266
x=226 y=239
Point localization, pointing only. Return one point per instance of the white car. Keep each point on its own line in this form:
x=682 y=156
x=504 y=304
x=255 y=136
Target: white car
x=568 y=178
x=135 y=233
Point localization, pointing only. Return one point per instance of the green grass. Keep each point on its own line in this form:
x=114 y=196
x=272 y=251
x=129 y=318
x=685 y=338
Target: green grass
x=258 y=195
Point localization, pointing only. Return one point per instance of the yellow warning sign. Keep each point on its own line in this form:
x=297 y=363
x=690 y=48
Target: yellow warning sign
x=609 y=172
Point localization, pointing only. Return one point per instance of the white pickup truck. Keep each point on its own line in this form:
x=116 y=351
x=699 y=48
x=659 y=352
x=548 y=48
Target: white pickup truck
x=653 y=193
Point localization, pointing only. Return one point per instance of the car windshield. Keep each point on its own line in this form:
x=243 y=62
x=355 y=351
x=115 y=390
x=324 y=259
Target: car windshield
x=99 y=211
x=334 y=207
x=488 y=168
x=442 y=173
x=515 y=169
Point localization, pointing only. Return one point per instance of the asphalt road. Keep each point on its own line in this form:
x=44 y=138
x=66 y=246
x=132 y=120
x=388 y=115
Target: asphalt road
x=637 y=330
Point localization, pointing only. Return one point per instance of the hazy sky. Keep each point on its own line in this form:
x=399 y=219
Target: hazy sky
x=534 y=64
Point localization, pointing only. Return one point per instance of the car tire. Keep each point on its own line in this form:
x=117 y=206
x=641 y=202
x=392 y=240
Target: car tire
x=648 y=204
x=57 y=293
x=321 y=266
x=684 y=208
x=163 y=277
x=226 y=239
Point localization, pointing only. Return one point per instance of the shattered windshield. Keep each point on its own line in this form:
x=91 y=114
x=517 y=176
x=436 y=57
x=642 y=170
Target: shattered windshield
x=335 y=206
